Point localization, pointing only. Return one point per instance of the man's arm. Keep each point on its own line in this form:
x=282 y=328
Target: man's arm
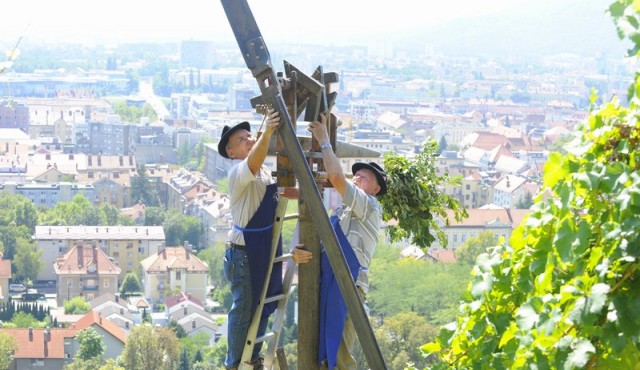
x=331 y=161
x=258 y=152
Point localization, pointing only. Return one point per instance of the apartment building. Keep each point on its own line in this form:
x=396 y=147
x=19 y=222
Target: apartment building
x=85 y=270
x=174 y=269
x=126 y=245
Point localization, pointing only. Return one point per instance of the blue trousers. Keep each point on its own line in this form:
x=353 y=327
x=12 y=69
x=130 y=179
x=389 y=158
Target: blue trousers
x=236 y=271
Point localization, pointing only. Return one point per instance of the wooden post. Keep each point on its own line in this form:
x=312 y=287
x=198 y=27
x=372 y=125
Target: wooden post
x=308 y=293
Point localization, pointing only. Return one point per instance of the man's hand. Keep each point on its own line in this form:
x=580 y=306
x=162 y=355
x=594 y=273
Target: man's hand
x=273 y=121
x=301 y=255
x=319 y=130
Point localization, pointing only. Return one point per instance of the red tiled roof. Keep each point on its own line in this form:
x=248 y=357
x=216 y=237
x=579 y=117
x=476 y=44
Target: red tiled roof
x=176 y=299
x=443 y=255
x=94 y=318
x=34 y=346
x=81 y=257
x=171 y=258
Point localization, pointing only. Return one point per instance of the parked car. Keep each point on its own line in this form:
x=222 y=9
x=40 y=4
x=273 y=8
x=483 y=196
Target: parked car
x=17 y=288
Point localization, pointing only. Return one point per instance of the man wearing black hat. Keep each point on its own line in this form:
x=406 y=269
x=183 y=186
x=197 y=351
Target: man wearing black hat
x=254 y=197
x=357 y=224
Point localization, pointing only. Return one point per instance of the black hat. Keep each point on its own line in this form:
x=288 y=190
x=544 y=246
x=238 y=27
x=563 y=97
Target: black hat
x=226 y=134
x=381 y=176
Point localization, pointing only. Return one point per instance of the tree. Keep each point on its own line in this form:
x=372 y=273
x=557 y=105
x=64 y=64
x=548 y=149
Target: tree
x=442 y=144
x=7 y=347
x=174 y=227
x=82 y=364
x=90 y=344
x=130 y=284
x=400 y=335
x=565 y=293
x=184 y=361
x=525 y=202
x=429 y=289
x=9 y=236
x=193 y=230
x=142 y=190
x=213 y=257
x=25 y=320
x=153 y=216
x=28 y=260
x=475 y=246
x=76 y=306
x=112 y=216
x=151 y=348
x=18 y=210
x=177 y=329
x=415 y=199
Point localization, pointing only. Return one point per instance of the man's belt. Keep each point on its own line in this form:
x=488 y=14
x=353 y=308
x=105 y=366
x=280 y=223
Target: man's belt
x=234 y=245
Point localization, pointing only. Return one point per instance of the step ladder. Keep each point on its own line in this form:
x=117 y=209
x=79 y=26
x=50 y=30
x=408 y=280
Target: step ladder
x=272 y=337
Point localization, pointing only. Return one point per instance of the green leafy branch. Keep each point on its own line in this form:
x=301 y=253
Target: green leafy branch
x=415 y=199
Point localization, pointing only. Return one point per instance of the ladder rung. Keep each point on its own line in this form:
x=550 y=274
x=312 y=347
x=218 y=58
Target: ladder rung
x=265 y=337
x=291 y=216
x=282 y=258
x=274 y=298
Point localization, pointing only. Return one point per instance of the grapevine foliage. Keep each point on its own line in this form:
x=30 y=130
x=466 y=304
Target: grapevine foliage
x=566 y=293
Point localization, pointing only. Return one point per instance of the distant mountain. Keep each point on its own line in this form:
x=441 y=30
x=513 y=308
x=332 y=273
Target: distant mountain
x=540 y=28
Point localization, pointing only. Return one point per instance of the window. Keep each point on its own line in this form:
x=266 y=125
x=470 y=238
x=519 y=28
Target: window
x=130 y=255
x=105 y=282
x=178 y=275
x=468 y=187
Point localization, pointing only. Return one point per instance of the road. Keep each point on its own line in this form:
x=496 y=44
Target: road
x=145 y=89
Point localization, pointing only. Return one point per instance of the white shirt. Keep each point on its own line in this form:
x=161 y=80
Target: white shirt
x=360 y=218
x=246 y=192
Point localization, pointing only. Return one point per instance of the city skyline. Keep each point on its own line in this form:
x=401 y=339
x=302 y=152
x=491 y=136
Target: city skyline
x=279 y=20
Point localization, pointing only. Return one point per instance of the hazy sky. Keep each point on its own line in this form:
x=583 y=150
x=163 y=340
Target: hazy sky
x=144 y=20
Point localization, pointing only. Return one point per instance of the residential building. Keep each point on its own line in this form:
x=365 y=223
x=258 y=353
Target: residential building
x=112 y=138
x=36 y=348
x=174 y=269
x=85 y=271
x=113 y=337
x=14 y=115
x=49 y=194
x=117 y=309
x=58 y=131
x=498 y=220
x=508 y=191
x=126 y=245
x=191 y=315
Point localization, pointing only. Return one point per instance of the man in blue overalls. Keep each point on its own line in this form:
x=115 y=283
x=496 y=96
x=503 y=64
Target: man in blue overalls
x=357 y=224
x=254 y=197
